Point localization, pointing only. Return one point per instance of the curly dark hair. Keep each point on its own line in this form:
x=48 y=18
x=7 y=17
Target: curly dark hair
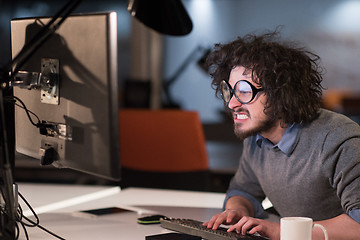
x=291 y=77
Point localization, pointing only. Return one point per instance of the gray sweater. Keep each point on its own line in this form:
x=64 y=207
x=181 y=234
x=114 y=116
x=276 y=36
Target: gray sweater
x=320 y=178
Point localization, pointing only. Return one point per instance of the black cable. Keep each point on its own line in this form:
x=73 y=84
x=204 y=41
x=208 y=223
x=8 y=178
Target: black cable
x=31 y=209
x=25 y=231
x=48 y=231
x=34 y=224
x=27 y=111
x=17 y=231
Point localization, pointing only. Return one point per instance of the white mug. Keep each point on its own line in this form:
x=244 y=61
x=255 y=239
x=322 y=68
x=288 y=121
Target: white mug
x=298 y=228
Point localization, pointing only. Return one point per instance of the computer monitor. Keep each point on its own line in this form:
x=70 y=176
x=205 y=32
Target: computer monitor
x=79 y=104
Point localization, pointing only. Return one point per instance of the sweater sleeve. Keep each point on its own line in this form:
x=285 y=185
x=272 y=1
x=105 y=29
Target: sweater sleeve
x=259 y=211
x=342 y=164
x=245 y=183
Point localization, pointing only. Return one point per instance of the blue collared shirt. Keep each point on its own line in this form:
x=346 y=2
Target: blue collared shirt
x=286 y=145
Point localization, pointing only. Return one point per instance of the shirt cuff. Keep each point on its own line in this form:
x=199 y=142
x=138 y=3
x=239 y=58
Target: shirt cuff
x=258 y=208
x=355 y=214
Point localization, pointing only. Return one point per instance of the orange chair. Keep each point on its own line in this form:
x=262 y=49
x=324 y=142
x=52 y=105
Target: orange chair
x=163 y=148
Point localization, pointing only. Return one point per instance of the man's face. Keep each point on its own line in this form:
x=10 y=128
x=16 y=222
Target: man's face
x=249 y=119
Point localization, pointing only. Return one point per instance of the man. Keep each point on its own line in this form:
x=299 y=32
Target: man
x=305 y=159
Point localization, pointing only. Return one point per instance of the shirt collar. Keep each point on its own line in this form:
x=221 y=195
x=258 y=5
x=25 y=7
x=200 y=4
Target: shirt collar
x=287 y=143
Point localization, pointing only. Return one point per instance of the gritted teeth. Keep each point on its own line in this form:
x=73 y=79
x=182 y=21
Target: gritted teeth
x=241 y=116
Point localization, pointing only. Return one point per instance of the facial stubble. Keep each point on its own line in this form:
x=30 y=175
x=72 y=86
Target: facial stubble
x=262 y=126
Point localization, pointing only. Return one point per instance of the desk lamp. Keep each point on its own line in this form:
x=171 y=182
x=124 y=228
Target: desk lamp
x=165 y=16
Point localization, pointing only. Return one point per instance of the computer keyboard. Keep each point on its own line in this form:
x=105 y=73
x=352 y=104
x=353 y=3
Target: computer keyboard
x=195 y=228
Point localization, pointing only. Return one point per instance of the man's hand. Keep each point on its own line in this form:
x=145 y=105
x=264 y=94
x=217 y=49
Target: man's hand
x=236 y=208
x=249 y=225
x=228 y=217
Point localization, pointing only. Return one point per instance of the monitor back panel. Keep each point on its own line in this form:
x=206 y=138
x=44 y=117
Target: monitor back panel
x=85 y=46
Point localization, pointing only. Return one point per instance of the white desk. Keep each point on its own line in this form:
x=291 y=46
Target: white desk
x=55 y=205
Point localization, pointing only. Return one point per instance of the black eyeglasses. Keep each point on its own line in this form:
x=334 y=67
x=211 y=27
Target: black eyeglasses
x=243 y=90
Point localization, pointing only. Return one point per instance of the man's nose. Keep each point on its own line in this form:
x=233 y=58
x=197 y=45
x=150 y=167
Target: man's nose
x=234 y=103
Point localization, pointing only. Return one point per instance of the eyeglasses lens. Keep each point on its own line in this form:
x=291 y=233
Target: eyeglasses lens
x=243 y=91
x=225 y=91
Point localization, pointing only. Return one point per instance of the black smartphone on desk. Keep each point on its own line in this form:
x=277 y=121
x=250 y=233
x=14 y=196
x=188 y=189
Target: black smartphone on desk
x=93 y=213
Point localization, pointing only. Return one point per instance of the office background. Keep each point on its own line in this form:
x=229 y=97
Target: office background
x=329 y=28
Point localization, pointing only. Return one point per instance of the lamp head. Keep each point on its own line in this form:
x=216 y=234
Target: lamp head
x=164 y=16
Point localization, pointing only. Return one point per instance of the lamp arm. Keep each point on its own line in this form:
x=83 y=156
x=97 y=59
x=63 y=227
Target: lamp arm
x=40 y=38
